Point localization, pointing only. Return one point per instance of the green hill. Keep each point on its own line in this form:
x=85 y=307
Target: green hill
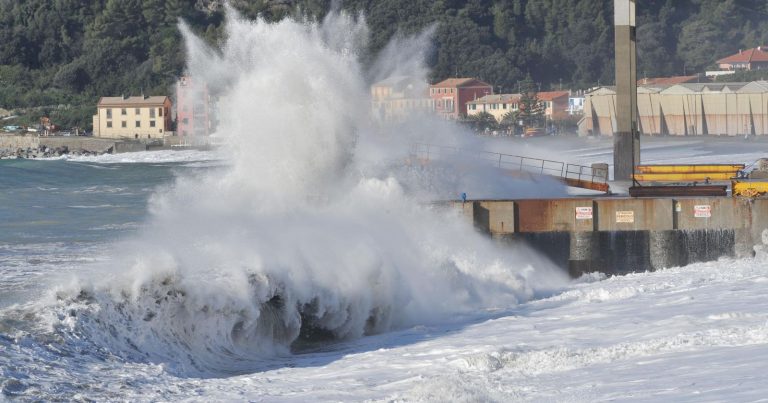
x=58 y=56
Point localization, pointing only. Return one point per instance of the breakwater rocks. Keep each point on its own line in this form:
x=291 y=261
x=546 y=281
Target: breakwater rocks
x=45 y=152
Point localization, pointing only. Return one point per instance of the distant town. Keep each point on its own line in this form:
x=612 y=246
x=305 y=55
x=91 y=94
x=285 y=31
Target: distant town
x=677 y=106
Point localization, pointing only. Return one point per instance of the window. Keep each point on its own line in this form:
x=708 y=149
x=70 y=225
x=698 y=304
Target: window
x=109 y=124
x=123 y=112
x=152 y=113
x=124 y=124
x=138 y=111
x=185 y=121
x=160 y=110
x=152 y=122
x=138 y=123
x=109 y=113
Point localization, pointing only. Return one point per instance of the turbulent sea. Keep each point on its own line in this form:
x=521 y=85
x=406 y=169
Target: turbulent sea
x=58 y=217
x=307 y=261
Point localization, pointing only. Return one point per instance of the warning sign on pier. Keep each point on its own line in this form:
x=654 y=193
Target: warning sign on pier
x=583 y=213
x=625 y=216
x=702 y=211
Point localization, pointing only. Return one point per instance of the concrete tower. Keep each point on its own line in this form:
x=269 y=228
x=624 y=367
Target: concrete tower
x=626 y=139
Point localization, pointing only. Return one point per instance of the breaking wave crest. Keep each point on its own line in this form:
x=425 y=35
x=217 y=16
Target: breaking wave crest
x=300 y=238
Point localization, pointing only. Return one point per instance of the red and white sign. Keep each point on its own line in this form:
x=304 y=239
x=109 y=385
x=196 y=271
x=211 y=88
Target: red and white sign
x=583 y=213
x=702 y=211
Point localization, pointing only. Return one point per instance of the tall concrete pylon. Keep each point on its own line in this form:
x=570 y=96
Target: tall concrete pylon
x=626 y=140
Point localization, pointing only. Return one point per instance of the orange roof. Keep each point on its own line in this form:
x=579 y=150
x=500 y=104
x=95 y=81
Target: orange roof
x=748 y=56
x=132 y=101
x=460 y=82
x=551 y=95
x=667 y=80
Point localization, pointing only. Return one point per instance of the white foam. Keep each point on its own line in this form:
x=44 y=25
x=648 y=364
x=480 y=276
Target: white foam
x=300 y=231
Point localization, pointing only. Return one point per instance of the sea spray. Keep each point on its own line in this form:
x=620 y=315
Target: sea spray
x=307 y=234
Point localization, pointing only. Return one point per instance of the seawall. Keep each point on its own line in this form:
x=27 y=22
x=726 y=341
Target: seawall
x=622 y=235
x=89 y=144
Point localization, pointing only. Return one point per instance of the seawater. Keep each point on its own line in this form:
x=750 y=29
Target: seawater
x=57 y=218
x=58 y=214
x=126 y=281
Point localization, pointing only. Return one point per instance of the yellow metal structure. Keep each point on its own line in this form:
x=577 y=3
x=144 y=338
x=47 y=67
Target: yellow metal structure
x=684 y=169
x=685 y=177
x=749 y=188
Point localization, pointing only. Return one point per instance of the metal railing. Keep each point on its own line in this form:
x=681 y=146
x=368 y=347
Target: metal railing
x=540 y=166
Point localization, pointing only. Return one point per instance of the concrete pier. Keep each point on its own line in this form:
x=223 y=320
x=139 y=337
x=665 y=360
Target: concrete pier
x=622 y=235
x=584 y=256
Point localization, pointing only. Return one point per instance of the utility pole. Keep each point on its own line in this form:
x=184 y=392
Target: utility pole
x=626 y=139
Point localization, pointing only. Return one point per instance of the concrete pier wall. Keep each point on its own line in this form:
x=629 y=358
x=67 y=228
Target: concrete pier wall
x=622 y=235
x=90 y=144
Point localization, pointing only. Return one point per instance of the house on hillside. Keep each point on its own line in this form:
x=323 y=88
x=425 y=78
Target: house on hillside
x=452 y=95
x=141 y=117
x=750 y=59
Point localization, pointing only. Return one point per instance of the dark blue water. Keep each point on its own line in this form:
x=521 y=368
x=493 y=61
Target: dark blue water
x=57 y=215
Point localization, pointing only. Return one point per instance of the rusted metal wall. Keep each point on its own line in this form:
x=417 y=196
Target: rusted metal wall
x=571 y=215
x=712 y=213
x=634 y=214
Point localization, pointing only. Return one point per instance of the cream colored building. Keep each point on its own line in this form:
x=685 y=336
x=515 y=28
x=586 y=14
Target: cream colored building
x=689 y=109
x=497 y=105
x=132 y=117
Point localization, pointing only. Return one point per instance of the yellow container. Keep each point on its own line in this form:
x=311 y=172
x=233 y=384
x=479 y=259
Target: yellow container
x=749 y=188
x=685 y=177
x=704 y=168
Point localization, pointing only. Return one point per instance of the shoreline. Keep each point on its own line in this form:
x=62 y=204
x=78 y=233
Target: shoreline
x=38 y=147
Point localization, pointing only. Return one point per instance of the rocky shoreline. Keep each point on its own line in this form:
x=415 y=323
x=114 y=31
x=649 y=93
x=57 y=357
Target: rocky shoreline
x=45 y=152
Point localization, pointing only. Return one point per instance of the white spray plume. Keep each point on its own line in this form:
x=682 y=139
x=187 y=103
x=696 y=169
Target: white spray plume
x=309 y=233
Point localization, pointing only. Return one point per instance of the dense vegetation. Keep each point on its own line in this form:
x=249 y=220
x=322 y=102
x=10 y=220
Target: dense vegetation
x=59 y=55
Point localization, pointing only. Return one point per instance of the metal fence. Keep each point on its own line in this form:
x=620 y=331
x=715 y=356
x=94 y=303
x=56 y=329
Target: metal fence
x=540 y=166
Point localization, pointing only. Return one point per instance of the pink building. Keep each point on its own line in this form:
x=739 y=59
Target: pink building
x=192 y=108
x=451 y=95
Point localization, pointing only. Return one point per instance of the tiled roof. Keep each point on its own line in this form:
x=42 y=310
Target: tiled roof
x=132 y=101
x=460 y=82
x=757 y=54
x=551 y=95
x=667 y=80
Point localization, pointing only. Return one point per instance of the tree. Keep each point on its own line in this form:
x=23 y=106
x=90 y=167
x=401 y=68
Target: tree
x=482 y=121
x=531 y=109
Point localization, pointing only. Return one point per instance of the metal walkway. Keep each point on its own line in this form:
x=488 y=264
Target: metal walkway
x=571 y=174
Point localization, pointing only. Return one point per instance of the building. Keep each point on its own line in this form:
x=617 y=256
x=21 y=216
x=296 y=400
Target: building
x=555 y=104
x=688 y=109
x=140 y=117
x=496 y=105
x=668 y=80
x=452 y=95
x=750 y=59
x=576 y=105
x=193 y=108
x=398 y=97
